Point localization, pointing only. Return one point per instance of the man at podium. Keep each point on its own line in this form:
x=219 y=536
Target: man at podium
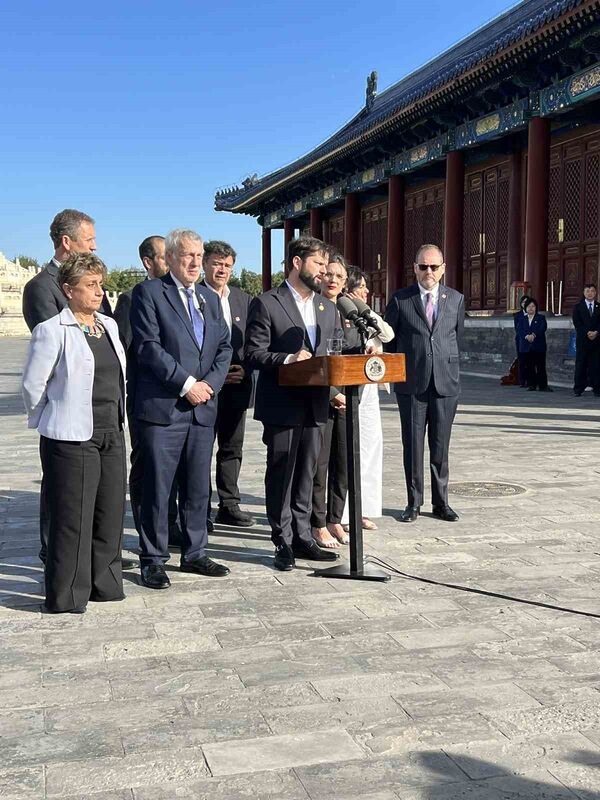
x=289 y=324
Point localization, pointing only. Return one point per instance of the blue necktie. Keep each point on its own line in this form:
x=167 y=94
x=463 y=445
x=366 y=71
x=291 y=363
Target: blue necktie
x=196 y=317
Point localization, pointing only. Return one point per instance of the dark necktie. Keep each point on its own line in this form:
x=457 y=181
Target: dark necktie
x=591 y=308
x=196 y=317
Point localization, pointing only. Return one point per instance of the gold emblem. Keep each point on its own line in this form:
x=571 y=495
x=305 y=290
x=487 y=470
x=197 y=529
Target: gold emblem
x=375 y=368
x=321 y=307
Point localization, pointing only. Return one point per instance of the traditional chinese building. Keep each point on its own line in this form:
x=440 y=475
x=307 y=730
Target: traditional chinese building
x=491 y=150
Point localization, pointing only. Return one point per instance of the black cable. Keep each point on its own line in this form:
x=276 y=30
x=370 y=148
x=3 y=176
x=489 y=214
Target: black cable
x=379 y=562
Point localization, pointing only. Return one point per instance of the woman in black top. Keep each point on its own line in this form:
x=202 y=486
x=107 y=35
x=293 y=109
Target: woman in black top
x=74 y=391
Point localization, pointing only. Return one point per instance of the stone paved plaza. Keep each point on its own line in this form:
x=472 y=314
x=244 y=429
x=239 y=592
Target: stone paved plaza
x=288 y=686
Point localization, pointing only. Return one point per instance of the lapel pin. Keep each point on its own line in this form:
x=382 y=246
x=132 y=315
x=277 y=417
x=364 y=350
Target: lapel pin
x=443 y=297
x=237 y=319
x=321 y=307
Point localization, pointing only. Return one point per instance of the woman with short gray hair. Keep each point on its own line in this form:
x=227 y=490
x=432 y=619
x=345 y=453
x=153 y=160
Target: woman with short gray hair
x=74 y=393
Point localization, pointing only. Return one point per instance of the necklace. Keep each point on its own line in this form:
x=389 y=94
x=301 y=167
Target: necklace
x=96 y=330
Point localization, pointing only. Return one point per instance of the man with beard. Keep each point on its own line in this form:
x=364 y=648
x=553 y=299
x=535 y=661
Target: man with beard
x=288 y=324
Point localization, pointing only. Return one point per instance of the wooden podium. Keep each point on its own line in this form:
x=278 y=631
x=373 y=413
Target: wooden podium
x=349 y=372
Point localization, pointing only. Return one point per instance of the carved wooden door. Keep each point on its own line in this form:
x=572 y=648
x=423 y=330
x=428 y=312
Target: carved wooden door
x=423 y=224
x=485 y=238
x=374 y=252
x=335 y=232
x=573 y=218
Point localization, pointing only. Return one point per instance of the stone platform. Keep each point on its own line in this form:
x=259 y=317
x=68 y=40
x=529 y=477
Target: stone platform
x=288 y=687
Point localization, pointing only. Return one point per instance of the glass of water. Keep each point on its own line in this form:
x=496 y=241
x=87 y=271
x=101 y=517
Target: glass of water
x=334 y=345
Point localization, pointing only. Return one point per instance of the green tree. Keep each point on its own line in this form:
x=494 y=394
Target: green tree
x=27 y=261
x=277 y=278
x=251 y=282
x=120 y=280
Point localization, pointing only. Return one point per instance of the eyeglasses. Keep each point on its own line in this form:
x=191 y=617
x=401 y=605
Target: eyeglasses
x=332 y=276
x=432 y=267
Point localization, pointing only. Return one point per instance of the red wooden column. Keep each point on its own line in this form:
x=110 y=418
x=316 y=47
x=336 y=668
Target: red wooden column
x=453 y=219
x=266 y=259
x=395 y=234
x=289 y=231
x=316 y=223
x=351 y=229
x=515 y=256
x=536 y=213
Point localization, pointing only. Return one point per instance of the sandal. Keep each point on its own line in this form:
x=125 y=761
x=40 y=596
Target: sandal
x=323 y=538
x=339 y=532
x=368 y=524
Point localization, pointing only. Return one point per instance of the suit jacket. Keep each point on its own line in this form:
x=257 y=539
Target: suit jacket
x=428 y=352
x=275 y=329
x=167 y=353
x=43 y=298
x=237 y=395
x=58 y=378
x=538 y=327
x=584 y=322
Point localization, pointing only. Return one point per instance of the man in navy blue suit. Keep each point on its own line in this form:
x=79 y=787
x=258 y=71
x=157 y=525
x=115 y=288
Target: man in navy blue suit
x=183 y=352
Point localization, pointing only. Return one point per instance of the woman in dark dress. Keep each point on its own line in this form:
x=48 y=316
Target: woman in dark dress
x=531 y=342
x=74 y=393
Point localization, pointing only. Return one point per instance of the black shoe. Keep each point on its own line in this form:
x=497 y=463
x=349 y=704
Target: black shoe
x=284 y=558
x=205 y=566
x=313 y=552
x=233 y=515
x=154 y=576
x=128 y=563
x=445 y=513
x=210 y=525
x=76 y=610
x=409 y=514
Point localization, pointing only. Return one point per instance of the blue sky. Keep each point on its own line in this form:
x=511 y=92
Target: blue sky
x=137 y=112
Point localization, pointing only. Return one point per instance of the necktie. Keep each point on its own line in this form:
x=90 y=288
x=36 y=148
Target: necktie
x=429 y=309
x=591 y=308
x=195 y=316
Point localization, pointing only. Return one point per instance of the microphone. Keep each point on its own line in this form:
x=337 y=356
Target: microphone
x=349 y=310
x=366 y=313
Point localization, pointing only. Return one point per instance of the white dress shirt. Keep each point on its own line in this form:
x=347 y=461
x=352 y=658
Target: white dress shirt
x=184 y=299
x=306 y=310
x=224 y=298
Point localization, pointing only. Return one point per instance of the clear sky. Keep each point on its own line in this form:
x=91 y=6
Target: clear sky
x=137 y=112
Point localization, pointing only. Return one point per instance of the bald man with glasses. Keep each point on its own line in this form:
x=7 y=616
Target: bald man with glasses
x=428 y=320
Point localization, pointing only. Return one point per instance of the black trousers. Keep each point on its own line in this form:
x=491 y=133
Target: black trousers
x=535 y=370
x=292 y=454
x=229 y=433
x=182 y=448
x=44 y=513
x=587 y=368
x=434 y=413
x=331 y=477
x=85 y=484
x=136 y=482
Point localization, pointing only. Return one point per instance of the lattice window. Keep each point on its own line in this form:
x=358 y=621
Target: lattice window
x=474 y=237
x=503 y=213
x=591 y=198
x=572 y=200
x=553 y=204
x=490 y=211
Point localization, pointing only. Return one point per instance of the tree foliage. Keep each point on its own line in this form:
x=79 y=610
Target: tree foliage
x=27 y=261
x=120 y=280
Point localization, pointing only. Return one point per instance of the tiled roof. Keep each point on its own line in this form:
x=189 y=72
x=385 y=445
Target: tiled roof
x=503 y=32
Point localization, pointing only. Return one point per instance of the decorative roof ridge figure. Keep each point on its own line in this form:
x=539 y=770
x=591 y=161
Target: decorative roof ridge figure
x=371 y=93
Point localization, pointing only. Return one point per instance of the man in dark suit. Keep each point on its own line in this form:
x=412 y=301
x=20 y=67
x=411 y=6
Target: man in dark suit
x=428 y=319
x=234 y=397
x=586 y=319
x=71 y=231
x=182 y=351
x=289 y=324
x=152 y=256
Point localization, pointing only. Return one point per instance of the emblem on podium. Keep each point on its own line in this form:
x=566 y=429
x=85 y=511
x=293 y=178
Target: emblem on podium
x=375 y=368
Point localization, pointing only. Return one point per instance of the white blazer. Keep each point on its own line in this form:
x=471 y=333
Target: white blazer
x=58 y=378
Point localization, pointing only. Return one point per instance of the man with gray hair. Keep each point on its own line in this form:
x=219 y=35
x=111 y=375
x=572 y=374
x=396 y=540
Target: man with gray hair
x=182 y=349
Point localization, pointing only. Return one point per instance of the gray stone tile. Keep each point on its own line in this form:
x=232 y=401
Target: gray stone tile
x=545 y=720
x=280 y=752
x=273 y=785
x=119 y=714
x=21 y=722
x=288 y=670
x=42 y=748
x=82 y=693
x=341 y=688
x=448 y=637
x=145 y=648
x=252 y=699
x=291 y=633
x=351 y=714
x=178 y=683
x=467 y=700
x=539 y=785
x=414 y=769
x=22 y=784
x=131 y=770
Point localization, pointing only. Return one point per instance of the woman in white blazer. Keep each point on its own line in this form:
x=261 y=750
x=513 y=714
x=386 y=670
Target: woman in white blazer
x=74 y=393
